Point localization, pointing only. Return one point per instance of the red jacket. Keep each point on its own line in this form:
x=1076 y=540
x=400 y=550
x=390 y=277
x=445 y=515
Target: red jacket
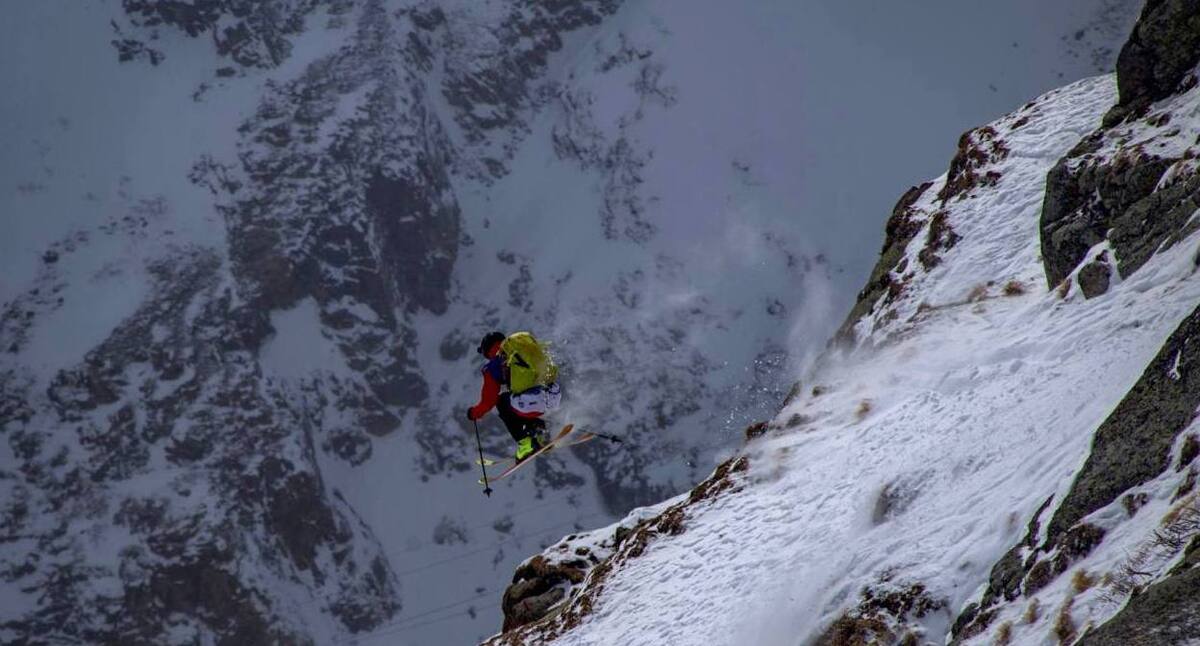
x=489 y=394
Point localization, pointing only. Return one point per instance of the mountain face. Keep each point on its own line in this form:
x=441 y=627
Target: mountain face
x=237 y=371
x=1001 y=445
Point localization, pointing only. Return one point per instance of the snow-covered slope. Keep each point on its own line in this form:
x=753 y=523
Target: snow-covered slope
x=982 y=457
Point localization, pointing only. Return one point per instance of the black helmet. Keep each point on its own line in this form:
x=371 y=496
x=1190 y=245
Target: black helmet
x=489 y=339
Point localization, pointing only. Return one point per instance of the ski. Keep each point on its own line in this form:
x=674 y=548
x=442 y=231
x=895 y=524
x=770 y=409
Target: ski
x=549 y=445
x=584 y=436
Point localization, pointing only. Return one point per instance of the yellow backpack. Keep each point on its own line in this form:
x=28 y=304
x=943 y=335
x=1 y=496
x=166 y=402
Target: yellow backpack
x=529 y=364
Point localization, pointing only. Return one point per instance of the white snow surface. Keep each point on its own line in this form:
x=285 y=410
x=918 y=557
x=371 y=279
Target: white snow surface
x=974 y=405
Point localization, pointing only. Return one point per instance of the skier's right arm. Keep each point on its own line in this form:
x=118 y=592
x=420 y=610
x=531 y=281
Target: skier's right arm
x=489 y=394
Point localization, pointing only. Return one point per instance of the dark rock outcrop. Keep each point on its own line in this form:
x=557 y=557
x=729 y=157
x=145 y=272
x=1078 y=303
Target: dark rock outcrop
x=1107 y=190
x=1166 y=613
x=1120 y=199
x=977 y=149
x=537 y=586
x=901 y=228
x=887 y=613
x=1162 y=52
x=1189 y=453
x=1094 y=277
x=253 y=33
x=1074 y=545
x=1134 y=444
x=1004 y=581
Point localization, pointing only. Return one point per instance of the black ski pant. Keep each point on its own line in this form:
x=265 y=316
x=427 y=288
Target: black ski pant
x=518 y=426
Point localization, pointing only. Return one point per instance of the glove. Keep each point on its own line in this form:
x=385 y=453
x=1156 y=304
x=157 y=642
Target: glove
x=470 y=414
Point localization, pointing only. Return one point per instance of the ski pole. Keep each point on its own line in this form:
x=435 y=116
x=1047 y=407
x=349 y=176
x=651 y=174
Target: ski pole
x=487 y=490
x=610 y=438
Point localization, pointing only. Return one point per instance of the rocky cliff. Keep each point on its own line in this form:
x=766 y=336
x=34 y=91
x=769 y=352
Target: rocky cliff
x=170 y=473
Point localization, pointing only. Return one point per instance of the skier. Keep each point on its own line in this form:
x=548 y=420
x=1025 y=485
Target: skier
x=519 y=379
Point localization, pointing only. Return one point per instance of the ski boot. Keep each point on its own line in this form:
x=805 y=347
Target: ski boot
x=526 y=447
x=536 y=439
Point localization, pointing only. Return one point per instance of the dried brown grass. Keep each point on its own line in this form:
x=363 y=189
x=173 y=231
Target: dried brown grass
x=864 y=409
x=1004 y=634
x=977 y=293
x=1033 y=612
x=1176 y=529
x=1082 y=581
x=1014 y=288
x=1064 y=289
x=1064 y=626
